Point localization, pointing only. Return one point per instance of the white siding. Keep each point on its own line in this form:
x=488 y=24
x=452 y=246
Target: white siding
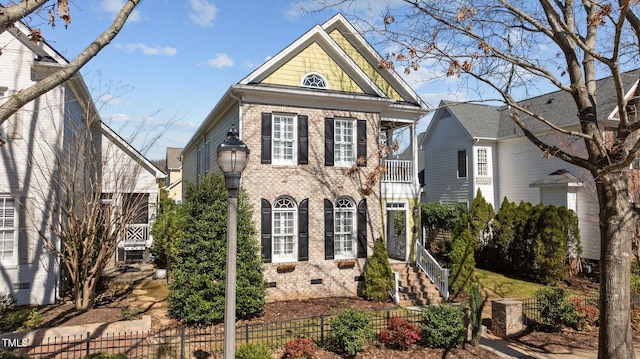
x=25 y=172
x=521 y=163
x=441 y=164
x=486 y=184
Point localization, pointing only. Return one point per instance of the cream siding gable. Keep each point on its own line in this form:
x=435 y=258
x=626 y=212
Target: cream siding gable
x=313 y=59
x=371 y=71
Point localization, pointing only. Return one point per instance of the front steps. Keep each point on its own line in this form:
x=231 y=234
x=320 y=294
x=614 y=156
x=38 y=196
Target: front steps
x=414 y=287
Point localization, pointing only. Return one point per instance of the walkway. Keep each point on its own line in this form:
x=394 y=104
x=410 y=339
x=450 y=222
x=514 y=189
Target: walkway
x=510 y=349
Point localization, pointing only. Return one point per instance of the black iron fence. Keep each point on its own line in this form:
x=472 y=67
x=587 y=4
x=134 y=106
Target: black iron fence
x=531 y=313
x=184 y=342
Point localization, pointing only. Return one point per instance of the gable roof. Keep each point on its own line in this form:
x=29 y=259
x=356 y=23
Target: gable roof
x=342 y=43
x=494 y=122
x=173 y=158
x=351 y=64
x=131 y=151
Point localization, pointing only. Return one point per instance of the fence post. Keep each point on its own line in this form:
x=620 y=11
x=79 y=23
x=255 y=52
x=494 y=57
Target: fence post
x=182 y=342
x=322 y=329
x=246 y=332
x=88 y=343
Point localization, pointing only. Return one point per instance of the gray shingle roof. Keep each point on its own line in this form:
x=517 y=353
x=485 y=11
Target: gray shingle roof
x=557 y=178
x=173 y=158
x=558 y=107
x=479 y=120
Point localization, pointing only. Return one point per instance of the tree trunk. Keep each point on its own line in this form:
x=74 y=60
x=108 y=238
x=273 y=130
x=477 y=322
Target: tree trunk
x=617 y=223
x=85 y=294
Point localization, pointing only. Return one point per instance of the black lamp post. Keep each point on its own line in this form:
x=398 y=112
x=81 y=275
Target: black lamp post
x=233 y=156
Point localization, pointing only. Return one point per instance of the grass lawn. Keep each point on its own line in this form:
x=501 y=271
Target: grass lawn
x=495 y=285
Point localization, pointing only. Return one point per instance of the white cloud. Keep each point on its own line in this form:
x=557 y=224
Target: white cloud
x=111 y=100
x=113 y=7
x=220 y=61
x=147 y=50
x=203 y=13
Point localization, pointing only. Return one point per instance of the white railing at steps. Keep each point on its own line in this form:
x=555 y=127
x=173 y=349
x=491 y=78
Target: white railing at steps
x=395 y=292
x=438 y=275
x=398 y=171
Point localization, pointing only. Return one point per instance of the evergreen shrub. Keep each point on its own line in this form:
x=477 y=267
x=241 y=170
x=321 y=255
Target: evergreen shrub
x=252 y=351
x=351 y=330
x=378 y=277
x=442 y=326
x=198 y=275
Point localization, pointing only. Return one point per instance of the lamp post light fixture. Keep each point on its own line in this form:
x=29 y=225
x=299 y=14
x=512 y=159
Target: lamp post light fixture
x=233 y=156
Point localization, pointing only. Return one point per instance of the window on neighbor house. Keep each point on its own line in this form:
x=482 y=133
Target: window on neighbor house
x=207 y=155
x=462 y=164
x=285 y=139
x=344 y=145
x=314 y=80
x=8 y=230
x=483 y=163
x=636 y=163
x=284 y=230
x=344 y=221
x=345 y=142
x=12 y=127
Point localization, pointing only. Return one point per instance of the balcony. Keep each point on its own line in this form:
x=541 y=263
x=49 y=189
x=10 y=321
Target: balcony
x=398 y=171
x=136 y=237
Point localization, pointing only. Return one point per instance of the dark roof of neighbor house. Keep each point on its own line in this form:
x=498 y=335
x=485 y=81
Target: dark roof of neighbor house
x=480 y=120
x=173 y=158
x=558 y=107
x=560 y=177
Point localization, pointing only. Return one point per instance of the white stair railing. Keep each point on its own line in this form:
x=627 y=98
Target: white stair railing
x=438 y=275
x=395 y=292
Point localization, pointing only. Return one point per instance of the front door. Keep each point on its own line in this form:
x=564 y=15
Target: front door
x=397 y=231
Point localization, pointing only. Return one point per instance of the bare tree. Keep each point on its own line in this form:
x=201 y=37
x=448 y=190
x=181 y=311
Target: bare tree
x=17 y=11
x=512 y=49
x=90 y=194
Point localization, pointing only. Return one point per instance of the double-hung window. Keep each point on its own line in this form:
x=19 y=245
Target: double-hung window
x=344 y=228
x=284 y=139
x=344 y=145
x=7 y=230
x=284 y=230
x=483 y=161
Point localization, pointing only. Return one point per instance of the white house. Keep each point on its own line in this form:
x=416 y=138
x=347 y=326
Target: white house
x=39 y=141
x=472 y=146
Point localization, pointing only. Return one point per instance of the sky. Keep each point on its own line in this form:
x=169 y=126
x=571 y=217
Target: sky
x=173 y=60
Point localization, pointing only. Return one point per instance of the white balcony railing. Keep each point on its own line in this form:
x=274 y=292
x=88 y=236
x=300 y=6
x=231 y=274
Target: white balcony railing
x=136 y=237
x=398 y=171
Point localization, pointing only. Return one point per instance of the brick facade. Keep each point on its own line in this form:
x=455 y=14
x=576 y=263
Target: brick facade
x=316 y=277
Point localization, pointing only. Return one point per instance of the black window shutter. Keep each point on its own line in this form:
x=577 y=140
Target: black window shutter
x=362 y=142
x=303 y=230
x=303 y=140
x=362 y=229
x=328 y=142
x=265 y=219
x=265 y=150
x=328 y=229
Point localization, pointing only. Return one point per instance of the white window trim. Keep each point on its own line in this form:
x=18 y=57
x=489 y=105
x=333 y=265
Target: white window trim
x=294 y=158
x=351 y=211
x=340 y=162
x=477 y=163
x=293 y=257
x=326 y=83
x=14 y=261
x=466 y=164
